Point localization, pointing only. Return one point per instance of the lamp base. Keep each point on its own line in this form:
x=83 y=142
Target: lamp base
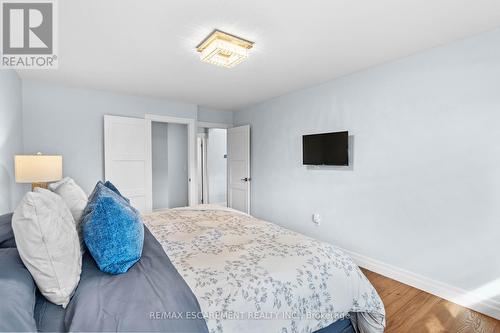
x=41 y=185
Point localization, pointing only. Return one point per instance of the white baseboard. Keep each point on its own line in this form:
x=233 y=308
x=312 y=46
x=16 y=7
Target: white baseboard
x=453 y=294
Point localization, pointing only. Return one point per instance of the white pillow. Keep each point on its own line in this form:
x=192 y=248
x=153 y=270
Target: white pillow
x=76 y=200
x=73 y=195
x=48 y=244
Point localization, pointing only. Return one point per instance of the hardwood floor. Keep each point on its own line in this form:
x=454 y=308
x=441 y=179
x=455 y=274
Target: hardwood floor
x=410 y=310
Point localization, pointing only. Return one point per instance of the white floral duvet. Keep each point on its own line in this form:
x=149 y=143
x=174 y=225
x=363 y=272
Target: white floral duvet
x=254 y=276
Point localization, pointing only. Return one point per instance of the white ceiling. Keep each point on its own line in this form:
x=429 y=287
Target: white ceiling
x=147 y=47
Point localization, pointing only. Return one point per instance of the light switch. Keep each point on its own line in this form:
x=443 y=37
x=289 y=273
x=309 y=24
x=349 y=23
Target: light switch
x=316 y=218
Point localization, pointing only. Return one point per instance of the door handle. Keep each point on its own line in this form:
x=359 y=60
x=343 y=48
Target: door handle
x=246 y=179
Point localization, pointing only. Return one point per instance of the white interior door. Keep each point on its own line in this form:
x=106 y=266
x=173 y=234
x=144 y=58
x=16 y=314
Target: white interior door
x=238 y=168
x=125 y=157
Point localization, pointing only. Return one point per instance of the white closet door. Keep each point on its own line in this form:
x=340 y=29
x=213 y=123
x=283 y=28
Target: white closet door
x=125 y=157
x=238 y=159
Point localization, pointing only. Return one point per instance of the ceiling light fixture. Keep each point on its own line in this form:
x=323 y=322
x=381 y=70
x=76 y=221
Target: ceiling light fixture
x=223 y=49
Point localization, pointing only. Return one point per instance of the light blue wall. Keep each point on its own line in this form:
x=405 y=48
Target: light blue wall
x=423 y=191
x=214 y=116
x=69 y=121
x=11 y=139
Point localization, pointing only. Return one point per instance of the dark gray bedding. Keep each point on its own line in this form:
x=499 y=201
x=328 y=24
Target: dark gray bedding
x=340 y=326
x=6 y=233
x=139 y=300
x=17 y=294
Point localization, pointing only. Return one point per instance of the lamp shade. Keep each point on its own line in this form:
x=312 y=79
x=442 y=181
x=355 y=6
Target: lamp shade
x=38 y=168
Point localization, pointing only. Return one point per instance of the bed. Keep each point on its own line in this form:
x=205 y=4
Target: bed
x=215 y=270
x=251 y=269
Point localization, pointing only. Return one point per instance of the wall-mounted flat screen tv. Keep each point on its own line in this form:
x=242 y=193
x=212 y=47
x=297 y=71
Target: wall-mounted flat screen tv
x=325 y=149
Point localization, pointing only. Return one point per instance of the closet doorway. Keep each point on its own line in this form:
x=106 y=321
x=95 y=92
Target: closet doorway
x=211 y=150
x=169 y=165
x=170 y=162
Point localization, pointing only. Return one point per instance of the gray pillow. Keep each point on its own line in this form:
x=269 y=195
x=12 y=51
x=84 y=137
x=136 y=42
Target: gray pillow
x=17 y=294
x=6 y=234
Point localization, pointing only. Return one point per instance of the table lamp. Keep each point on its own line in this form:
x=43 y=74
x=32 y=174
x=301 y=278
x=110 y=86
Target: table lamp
x=38 y=169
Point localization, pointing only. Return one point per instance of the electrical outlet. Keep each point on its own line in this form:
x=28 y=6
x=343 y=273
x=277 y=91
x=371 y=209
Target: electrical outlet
x=316 y=219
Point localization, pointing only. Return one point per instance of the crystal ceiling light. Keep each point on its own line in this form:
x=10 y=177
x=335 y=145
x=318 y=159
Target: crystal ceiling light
x=223 y=49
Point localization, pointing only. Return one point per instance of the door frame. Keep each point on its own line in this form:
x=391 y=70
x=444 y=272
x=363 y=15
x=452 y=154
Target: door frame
x=203 y=138
x=192 y=181
x=207 y=124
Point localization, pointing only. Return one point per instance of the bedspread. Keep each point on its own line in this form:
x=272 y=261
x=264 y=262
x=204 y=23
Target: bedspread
x=254 y=276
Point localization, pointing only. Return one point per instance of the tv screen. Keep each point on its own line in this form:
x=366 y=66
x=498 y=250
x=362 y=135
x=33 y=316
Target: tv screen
x=325 y=149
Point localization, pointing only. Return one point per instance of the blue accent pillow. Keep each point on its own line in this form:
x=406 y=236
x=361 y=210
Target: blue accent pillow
x=100 y=187
x=113 y=188
x=112 y=230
